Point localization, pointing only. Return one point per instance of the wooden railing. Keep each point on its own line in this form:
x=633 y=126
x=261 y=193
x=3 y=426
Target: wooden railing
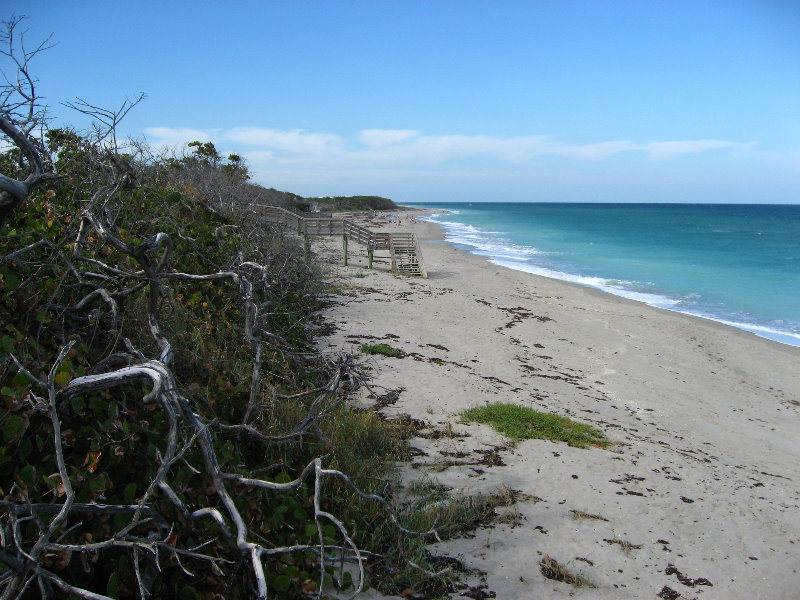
x=307 y=224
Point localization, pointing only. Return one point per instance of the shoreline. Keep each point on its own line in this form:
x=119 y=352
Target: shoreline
x=440 y=236
x=706 y=319
x=760 y=331
x=703 y=418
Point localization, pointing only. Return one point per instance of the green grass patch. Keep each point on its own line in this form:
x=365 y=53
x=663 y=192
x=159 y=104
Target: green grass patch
x=522 y=423
x=382 y=349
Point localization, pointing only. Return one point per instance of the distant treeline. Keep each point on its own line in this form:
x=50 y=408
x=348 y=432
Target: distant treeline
x=338 y=203
x=273 y=197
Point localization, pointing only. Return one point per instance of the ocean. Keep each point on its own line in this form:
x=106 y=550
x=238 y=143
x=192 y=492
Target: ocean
x=736 y=264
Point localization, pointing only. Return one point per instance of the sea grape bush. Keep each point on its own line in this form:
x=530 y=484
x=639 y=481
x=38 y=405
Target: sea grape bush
x=78 y=299
x=166 y=427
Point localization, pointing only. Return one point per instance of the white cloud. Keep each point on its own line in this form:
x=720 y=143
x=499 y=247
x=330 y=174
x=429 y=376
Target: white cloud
x=664 y=150
x=410 y=148
x=596 y=151
x=309 y=162
x=378 y=138
x=176 y=137
x=292 y=142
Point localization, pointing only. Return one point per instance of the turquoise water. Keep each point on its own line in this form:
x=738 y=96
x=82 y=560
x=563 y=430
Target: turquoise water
x=737 y=264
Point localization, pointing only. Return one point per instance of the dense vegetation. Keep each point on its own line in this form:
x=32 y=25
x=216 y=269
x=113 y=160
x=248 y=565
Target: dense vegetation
x=167 y=429
x=341 y=203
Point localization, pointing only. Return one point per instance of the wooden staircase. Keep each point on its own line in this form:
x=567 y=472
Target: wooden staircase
x=406 y=255
x=404 y=247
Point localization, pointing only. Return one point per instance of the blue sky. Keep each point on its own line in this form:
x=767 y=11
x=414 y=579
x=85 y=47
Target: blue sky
x=640 y=101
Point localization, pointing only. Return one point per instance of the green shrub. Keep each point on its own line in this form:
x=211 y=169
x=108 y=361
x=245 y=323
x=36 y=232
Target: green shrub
x=112 y=439
x=523 y=423
x=382 y=349
x=340 y=203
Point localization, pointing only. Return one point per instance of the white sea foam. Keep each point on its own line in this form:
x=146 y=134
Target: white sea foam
x=785 y=337
x=432 y=216
x=626 y=289
x=486 y=243
x=502 y=252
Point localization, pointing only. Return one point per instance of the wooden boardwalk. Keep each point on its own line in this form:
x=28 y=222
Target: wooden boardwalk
x=404 y=247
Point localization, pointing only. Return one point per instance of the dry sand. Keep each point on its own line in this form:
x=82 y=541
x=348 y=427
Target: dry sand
x=704 y=471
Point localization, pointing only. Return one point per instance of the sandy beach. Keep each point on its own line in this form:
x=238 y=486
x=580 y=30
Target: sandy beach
x=697 y=496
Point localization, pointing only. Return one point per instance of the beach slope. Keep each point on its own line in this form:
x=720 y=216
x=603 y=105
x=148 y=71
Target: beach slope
x=698 y=493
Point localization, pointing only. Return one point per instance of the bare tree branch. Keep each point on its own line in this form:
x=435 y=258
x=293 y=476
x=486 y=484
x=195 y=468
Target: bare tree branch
x=116 y=282
x=20 y=114
x=109 y=119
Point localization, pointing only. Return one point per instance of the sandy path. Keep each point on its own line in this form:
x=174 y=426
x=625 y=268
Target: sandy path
x=704 y=472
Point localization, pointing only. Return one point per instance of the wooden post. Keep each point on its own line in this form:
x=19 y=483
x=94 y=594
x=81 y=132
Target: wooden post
x=307 y=244
x=344 y=245
x=369 y=254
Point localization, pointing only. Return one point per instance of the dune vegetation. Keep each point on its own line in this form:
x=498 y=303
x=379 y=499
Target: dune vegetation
x=167 y=428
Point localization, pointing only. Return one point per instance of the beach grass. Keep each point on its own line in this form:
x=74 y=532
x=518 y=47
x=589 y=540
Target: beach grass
x=523 y=423
x=624 y=544
x=579 y=514
x=382 y=349
x=552 y=569
x=431 y=506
